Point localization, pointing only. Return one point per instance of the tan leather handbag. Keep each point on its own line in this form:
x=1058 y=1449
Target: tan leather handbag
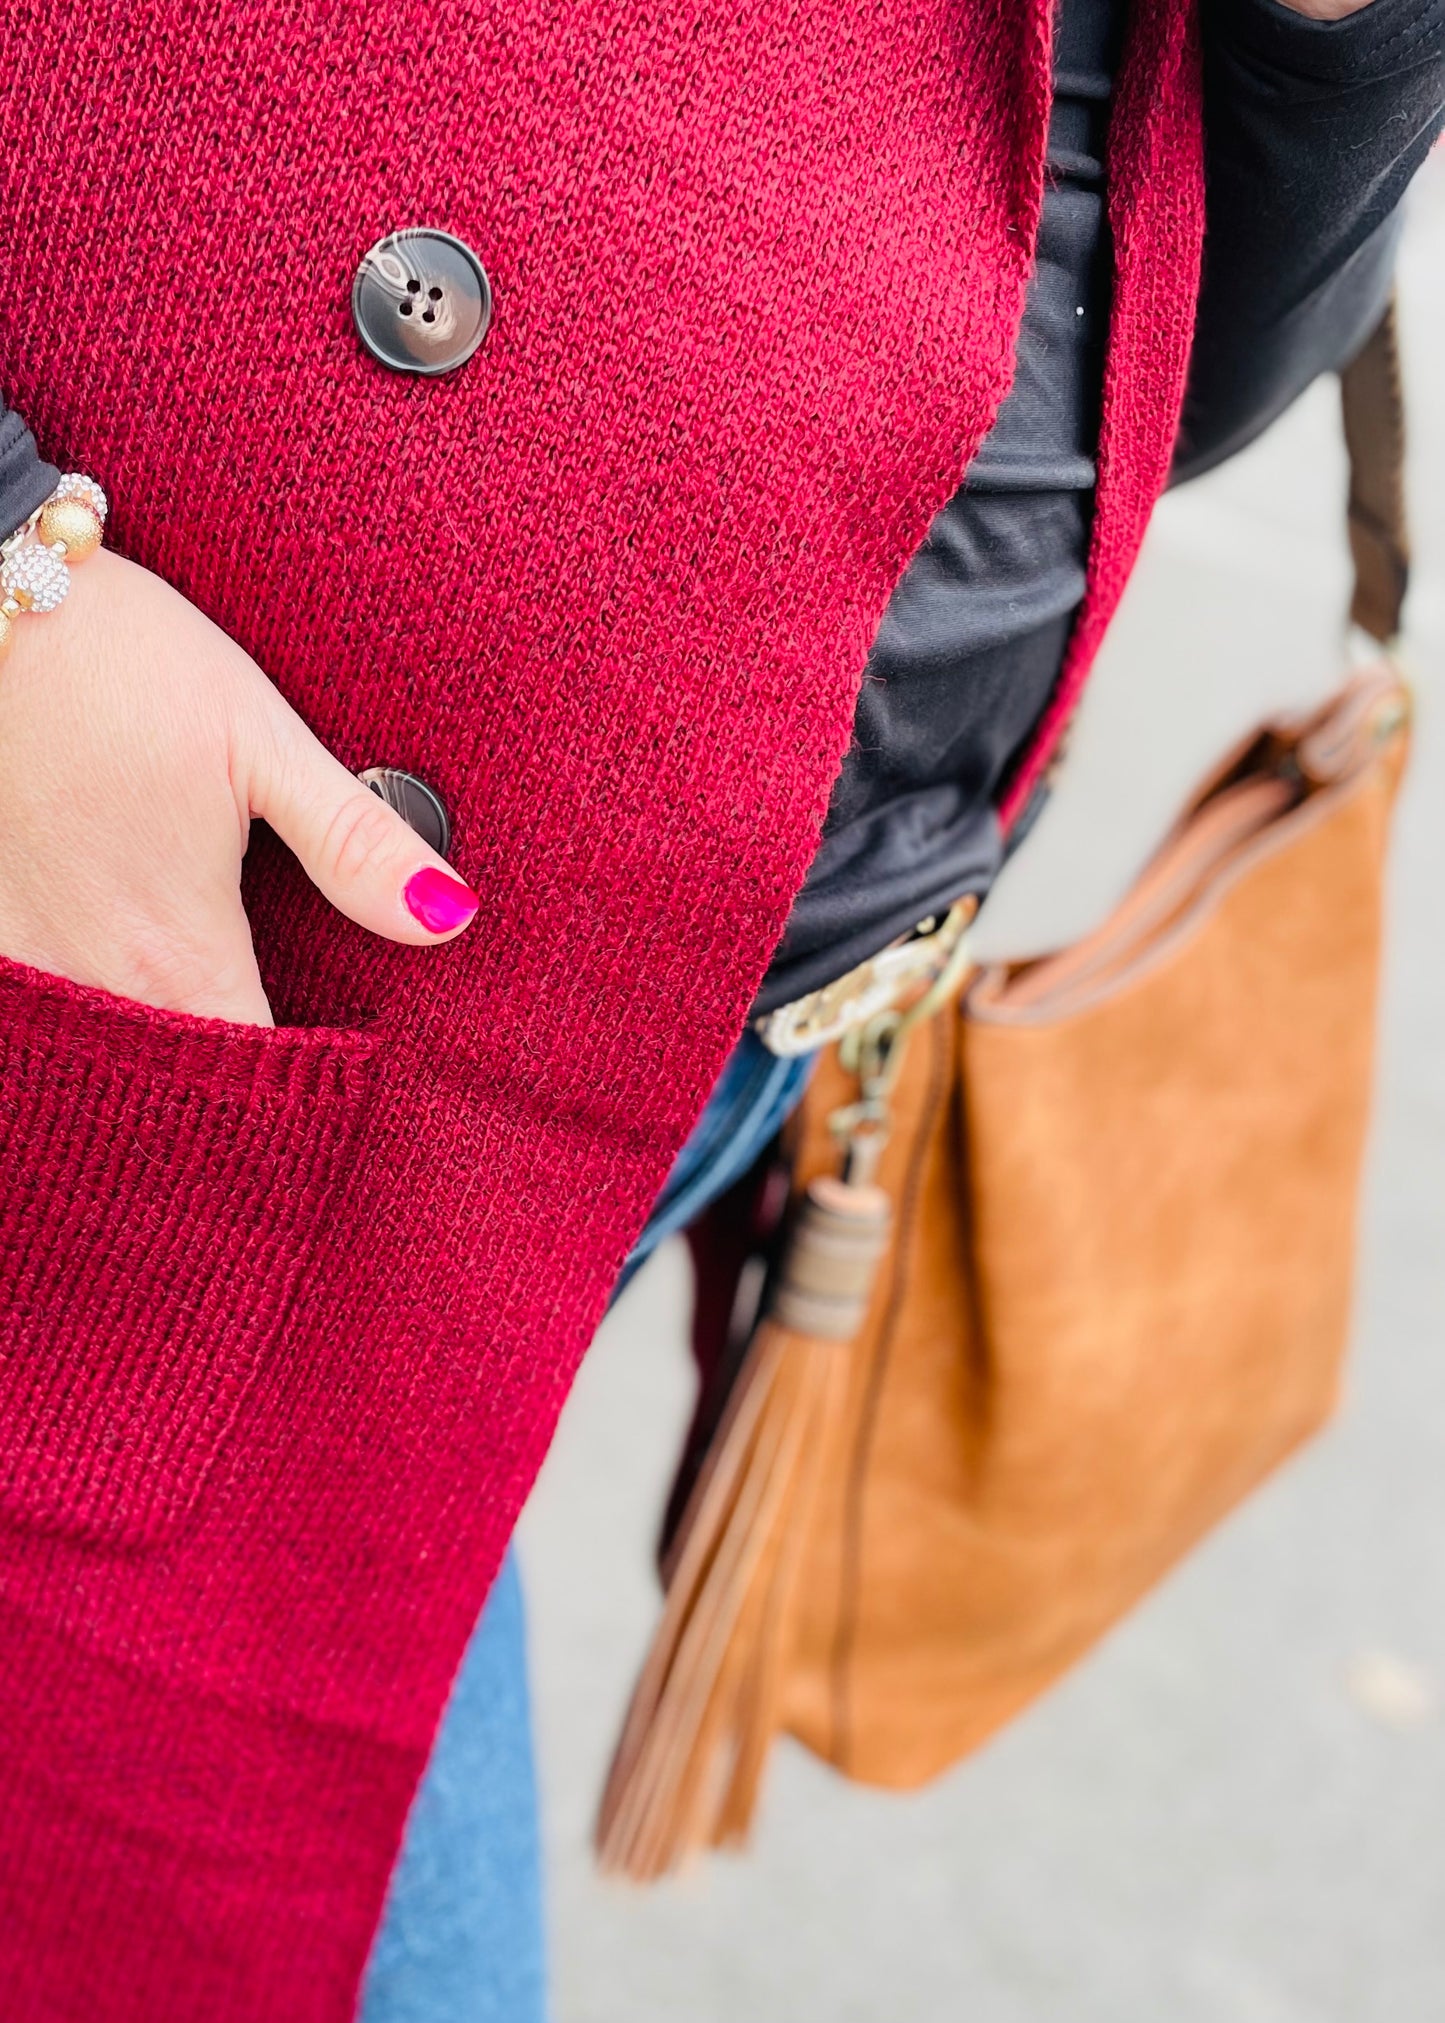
x=1067 y=1272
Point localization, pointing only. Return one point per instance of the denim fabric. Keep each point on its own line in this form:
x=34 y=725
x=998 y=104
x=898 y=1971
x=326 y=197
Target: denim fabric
x=462 y=1938
x=752 y=1099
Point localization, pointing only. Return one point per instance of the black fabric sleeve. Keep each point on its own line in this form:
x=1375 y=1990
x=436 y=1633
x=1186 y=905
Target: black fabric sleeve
x=25 y=480
x=1312 y=132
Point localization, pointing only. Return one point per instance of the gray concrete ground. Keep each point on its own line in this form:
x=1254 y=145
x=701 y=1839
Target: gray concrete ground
x=1235 y=1813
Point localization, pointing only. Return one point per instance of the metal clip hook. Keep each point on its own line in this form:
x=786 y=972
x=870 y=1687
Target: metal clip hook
x=874 y=1052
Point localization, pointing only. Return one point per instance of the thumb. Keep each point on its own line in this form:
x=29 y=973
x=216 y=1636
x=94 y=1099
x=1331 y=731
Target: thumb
x=352 y=846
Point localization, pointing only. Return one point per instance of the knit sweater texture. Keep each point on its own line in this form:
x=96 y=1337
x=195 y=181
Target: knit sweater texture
x=288 y=1315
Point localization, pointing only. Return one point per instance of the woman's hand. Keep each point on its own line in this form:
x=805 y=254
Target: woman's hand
x=136 y=742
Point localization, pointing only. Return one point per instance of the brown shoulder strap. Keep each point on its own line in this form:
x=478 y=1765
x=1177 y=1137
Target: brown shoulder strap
x=1374 y=412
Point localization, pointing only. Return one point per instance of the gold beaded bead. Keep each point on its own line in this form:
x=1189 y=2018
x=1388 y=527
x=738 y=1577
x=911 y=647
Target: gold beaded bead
x=74 y=523
x=7 y=631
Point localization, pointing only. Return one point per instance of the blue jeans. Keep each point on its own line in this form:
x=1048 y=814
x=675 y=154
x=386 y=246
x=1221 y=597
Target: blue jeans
x=462 y=1937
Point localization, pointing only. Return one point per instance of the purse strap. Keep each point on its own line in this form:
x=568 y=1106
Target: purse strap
x=1372 y=398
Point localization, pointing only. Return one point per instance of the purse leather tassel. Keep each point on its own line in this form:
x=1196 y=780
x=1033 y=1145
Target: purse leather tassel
x=706 y=1706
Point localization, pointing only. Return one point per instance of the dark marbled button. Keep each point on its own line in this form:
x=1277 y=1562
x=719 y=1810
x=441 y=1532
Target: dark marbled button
x=421 y=301
x=415 y=802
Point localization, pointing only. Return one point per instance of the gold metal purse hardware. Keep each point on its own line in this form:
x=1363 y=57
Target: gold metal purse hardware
x=928 y=955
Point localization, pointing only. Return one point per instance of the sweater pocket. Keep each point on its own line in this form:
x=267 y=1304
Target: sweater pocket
x=165 y=1182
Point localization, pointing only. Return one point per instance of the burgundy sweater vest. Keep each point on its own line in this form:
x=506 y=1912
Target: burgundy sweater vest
x=288 y=1315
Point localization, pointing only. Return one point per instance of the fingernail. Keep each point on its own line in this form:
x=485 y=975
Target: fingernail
x=440 y=903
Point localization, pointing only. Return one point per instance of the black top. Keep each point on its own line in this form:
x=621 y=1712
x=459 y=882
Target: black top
x=25 y=482
x=1312 y=132
x=972 y=640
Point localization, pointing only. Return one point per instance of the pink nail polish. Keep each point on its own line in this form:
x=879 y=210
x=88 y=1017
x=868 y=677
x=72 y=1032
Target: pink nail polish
x=440 y=903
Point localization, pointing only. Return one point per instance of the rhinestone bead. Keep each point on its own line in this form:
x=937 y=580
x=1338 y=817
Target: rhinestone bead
x=36 y=579
x=74 y=485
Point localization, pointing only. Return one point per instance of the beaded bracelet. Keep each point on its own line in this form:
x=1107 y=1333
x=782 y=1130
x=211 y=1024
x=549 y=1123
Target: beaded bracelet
x=34 y=575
